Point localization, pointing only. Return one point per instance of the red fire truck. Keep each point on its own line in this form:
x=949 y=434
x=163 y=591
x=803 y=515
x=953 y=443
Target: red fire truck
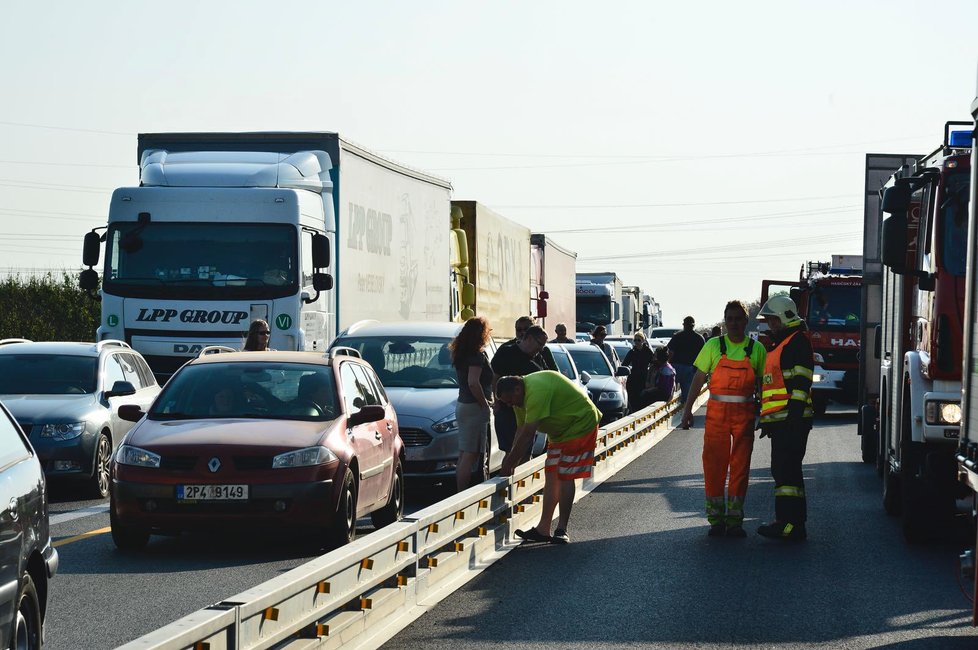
x=828 y=298
x=923 y=246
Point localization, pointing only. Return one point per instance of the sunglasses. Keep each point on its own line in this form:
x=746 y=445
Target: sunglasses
x=264 y=333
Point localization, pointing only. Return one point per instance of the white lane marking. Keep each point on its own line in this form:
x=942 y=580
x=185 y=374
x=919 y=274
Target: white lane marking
x=77 y=514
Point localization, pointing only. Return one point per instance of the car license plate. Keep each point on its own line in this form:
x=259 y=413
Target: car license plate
x=212 y=492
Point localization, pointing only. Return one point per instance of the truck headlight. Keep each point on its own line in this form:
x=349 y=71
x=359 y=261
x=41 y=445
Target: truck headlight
x=68 y=431
x=942 y=412
x=445 y=424
x=128 y=455
x=303 y=458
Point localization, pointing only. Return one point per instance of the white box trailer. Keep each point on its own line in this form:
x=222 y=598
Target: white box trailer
x=302 y=229
x=552 y=274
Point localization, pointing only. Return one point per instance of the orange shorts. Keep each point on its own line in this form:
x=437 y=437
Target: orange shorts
x=573 y=458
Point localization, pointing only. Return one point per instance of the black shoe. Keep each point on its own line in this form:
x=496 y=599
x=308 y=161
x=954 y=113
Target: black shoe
x=717 y=530
x=560 y=537
x=783 y=531
x=531 y=535
x=736 y=531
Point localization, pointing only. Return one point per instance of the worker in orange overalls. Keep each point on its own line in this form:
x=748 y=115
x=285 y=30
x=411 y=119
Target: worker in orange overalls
x=734 y=363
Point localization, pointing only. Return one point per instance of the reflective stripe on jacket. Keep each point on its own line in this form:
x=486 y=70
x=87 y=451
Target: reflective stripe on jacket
x=774 y=393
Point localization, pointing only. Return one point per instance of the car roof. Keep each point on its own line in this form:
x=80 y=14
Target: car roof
x=68 y=348
x=404 y=328
x=269 y=356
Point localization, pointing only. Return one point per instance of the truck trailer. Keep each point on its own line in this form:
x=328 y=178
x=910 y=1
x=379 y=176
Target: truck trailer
x=305 y=230
x=552 y=283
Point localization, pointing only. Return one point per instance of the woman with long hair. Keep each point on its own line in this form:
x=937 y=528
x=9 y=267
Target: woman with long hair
x=258 y=336
x=472 y=410
x=638 y=359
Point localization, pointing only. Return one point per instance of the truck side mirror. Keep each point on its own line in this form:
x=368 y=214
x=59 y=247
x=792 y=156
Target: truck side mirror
x=896 y=199
x=320 y=282
x=320 y=251
x=542 y=307
x=91 y=249
x=468 y=294
x=893 y=242
x=88 y=280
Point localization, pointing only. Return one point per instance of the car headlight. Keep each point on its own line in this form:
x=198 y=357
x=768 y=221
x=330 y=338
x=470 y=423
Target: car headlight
x=67 y=431
x=609 y=396
x=303 y=457
x=128 y=455
x=445 y=424
x=942 y=412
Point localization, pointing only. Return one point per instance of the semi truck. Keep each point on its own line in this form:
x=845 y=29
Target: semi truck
x=552 y=287
x=879 y=167
x=495 y=279
x=636 y=314
x=599 y=302
x=305 y=230
x=923 y=251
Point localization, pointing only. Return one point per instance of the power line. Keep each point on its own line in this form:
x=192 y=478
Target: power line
x=578 y=206
x=64 y=128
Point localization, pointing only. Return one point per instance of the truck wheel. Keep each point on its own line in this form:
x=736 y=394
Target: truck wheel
x=343 y=530
x=394 y=509
x=868 y=442
x=892 y=493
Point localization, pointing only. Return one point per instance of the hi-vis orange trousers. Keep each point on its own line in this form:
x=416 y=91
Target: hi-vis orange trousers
x=727 y=446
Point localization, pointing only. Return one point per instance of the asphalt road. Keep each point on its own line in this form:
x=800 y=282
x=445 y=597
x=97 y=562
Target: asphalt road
x=640 y=571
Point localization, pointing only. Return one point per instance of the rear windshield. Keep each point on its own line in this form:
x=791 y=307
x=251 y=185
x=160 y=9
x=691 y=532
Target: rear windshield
x=663 y=332
x=47 y=374
x=287 y=391
x=407 y=361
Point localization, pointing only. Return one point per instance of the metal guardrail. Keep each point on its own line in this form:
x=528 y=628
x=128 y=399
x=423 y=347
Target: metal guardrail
x=360 y=595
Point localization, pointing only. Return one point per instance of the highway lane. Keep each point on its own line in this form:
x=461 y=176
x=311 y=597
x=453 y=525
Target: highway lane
x=102 y=598
x=641 y=572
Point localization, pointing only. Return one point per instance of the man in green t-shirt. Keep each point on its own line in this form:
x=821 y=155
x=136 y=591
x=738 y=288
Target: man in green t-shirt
x=549 y=402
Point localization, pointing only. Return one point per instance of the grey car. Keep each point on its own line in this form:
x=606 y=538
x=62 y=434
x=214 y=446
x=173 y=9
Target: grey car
x=66 y=397
x=606 y=386
x=567 y=367
x=414 y=364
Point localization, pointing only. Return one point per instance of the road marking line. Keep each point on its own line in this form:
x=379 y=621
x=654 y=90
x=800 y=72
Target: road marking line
x=77 y=514
x=77 y=538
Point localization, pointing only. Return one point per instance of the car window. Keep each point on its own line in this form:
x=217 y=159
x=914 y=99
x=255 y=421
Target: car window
x=12 y=446
x=354 y=398
x=113 y=372
x=145 y=374
x=373 y=385
x=47 y=374
x=563 y=363
x=592 y=361
x=271 y=390
x=130 y=370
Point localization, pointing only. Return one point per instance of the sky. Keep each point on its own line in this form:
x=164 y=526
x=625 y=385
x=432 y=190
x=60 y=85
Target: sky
x=692 y=148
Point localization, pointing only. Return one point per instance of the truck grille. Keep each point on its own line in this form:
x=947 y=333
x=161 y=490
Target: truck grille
x=415 y=437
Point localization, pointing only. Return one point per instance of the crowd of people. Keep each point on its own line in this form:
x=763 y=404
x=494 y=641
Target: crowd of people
x=750 y=388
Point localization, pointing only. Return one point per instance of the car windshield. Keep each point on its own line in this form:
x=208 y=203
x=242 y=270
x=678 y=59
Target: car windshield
x=592 y=361
x=282 y=391
x=621 y=348
x=47 y=374
x=407 y=361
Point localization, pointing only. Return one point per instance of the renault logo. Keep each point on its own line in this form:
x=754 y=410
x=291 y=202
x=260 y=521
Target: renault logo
x=214 y=464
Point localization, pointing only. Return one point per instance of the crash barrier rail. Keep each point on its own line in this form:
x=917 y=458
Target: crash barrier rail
x=360 y=595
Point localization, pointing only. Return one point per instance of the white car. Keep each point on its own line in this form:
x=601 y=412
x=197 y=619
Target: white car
x=659 y=336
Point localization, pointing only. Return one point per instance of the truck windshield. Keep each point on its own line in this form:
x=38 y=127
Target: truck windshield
x=955 y=228
x=201 y=260
x=596 y=311
x=47 y=374
x=834 y=307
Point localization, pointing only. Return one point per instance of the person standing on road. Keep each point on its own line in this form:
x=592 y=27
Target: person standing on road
x=735 y=363
x=661 y=383
x=685 y=345
x=519 y=357
x=549 y=402
x=472 y=410
x=597 y=339
x=258 y=336
x=786 y=415
x=561 y=330
x=639 y=358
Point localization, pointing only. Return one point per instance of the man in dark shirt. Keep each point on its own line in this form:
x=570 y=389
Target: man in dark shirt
x=517 y=358
x=684 y=346
x=561 y=337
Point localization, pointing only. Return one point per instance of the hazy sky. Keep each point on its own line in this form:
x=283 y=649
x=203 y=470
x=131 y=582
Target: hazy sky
x=693 y=148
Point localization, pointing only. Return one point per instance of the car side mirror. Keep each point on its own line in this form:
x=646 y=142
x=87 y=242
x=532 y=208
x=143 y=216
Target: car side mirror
x=623 y=371
x=585 y=378
x=120 y=389
x=372 y=413
x=131 y=412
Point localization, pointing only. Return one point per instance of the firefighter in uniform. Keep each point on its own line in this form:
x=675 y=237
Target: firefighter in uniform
x=786 y=415
x=734 y=364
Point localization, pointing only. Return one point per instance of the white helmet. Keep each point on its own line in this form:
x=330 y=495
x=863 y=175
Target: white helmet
x=781 y=307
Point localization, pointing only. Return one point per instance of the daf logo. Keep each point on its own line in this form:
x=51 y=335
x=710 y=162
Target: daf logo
x=214 y=464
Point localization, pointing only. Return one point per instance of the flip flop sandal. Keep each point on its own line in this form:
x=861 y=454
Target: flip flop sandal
x=531 y=535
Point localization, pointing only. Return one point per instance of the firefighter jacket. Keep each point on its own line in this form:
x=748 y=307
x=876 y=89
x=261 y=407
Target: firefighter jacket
x=786 y=390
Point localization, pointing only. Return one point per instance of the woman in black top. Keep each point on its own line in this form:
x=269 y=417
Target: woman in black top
x=474 y=388
x=638 y=359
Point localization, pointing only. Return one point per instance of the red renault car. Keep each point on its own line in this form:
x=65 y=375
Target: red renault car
x=286 y=439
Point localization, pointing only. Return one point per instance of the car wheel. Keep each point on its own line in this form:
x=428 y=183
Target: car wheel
x=344 y=527
x=127 y=538
x=394 y=509
x=99 y=485
x=27 y=619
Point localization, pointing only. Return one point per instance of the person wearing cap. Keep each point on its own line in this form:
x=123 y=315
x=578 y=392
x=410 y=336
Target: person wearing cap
x=786 y=415
x=684 y=346
x=734 y=363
